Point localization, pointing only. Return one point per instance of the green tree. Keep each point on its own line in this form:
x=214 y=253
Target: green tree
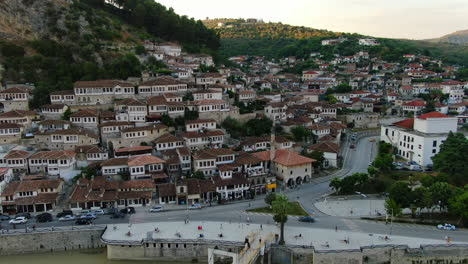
x=441 y=193
x=280 y=209
x=452 y=158
x=335 y=183
x=301 y=133
x=198 y=175
x=269 y=198
x=393 y=208
x=343 y=88
x=459 y=205
x=188 y=96
x=331 y=99
x=66 y=114
x=372 y=171
x=140 y=50
x=318 y=156
x=167 y=120
x=401 y=193
x=258 y=127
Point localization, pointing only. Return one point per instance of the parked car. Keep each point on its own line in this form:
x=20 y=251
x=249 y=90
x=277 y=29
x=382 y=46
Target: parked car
x=447 y=227
x=19 y=220
x=89 y=216
x=27 y=215
x=85 y=212
x=195 y=206
x=157 y=208
x=352 y=146
x=99 y=212
x=307 y=219
x=128 y=210
x=83 y=222
x=4 y=217
x=117 y=215
x=111 y=211
x=64 y=213
x=44 y=217
x=67 y=218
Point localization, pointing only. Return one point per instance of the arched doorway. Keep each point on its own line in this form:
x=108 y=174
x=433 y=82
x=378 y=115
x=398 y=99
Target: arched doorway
x=298 y=180
x=306 y=179
x=290 y=182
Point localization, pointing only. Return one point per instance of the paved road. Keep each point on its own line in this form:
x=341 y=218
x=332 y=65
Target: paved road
x=356 y=160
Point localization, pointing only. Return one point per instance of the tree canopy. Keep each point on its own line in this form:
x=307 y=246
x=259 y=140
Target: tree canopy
x=453 y=159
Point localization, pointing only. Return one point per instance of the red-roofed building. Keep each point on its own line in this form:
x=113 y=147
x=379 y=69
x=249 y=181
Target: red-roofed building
x=288 y=166
x=414 y=106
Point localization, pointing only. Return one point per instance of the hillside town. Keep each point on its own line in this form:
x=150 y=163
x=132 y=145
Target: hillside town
x=167 y=139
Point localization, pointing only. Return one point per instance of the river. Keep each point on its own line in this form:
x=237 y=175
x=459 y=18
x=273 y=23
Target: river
x=97 y=256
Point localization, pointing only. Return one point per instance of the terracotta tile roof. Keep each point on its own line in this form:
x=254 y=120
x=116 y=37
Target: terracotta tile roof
x=40 y=198
x=17 y=154
x=102 y=83
x=88 y=149
x=326 y=146
x=197 y=186
x=9 y=125
x=50 y=122
x=432 y=115
x=415 y=103
x=115 y=162
x=86 y=113
x=225 y=167
x=17 y=113
x=53 y=106
x=247 y=159
x=161 y=81
x=213 y=153
x=235 y=180
x=54 y=154
x=166 y=138
x=318 y=127
x=15 y=90
x=144 y=160
x=199 y=121
x=407 y=123
x=137 y=148
x=209 y=133
x=116 y=123
x=284 y=157
x=130 y=101
x=208 y=101
x=336 y=125
x=156 y=100
x=145 y=128
x=137 y=184
x=166 y=189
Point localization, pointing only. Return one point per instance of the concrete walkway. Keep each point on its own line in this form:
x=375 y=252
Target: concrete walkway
x=352 y=208
x=323 y=239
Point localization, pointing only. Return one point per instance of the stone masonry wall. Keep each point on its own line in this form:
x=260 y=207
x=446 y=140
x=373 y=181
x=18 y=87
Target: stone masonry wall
x=63 y=240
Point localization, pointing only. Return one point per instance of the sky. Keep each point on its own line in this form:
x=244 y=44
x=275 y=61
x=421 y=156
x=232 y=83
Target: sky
x=412 y=19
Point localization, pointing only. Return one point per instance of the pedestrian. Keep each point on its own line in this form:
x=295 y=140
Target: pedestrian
x=14 y=226
x=336 y=228
x=261 y=227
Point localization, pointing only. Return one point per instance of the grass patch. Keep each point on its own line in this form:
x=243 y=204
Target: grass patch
x=294 y=209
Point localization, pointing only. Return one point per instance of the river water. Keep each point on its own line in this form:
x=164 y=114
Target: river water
x=72 y=257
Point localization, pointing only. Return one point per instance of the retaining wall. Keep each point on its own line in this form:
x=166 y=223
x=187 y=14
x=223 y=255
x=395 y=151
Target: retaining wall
x=62 y=240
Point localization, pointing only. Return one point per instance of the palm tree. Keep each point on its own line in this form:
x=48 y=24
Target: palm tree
x=280 y=209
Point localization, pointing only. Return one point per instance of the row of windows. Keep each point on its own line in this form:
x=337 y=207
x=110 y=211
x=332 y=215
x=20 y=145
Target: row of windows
x=10 y=131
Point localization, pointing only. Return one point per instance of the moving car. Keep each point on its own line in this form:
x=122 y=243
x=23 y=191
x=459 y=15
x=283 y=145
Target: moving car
x=27 y=215
x=44 y=217
x=64 y=213
x=128 y=210
x=195 y=206
x=307 y=219
x=83 y=222
x=447 y=227
x=117 y=215
x=4 y=217
x=352 y=146
x=372 y=140
x=67 y=218
x=89 y=216
x=19 y=220
x=157 y=208
x=99 y=212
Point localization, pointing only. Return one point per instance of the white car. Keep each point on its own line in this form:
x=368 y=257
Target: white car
x=99 y=212
x=446 y=227
x=19 y=220
x=67 y=218
x=195 y=206
x=156 y=209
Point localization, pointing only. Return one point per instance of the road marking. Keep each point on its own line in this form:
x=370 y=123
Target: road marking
x=352 y=225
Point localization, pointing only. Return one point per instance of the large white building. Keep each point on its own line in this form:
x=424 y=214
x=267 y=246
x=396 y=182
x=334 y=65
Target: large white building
x=419 y=139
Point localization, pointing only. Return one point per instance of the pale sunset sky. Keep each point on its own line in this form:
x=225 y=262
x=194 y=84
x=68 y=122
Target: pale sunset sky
x=413 y=19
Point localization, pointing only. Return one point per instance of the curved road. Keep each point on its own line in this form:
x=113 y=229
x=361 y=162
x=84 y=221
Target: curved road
x=356 y=160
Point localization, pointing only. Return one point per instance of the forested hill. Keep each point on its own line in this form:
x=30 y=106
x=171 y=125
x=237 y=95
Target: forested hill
x=276 y=40
x=53 y=43
x=241 y=28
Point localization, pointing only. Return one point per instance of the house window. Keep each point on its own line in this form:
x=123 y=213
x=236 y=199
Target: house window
x=434 y=143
